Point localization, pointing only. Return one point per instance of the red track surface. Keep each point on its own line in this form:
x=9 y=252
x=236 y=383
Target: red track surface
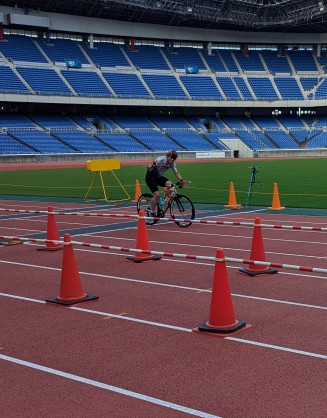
x=138 y=337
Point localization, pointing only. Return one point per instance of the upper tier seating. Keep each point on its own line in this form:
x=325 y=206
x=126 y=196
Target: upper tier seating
x=288 y=88
x=164 y=86
x=308 y=83
x=275 y=63
x=146 y=57
x=228 y=60
x=201 y=87
x=180 y=58
x=321 y=92
x=107 y=55
x=10 y=82
x=214 y=62
x=302 y=61
x=63 y=50
x=155 y=141
x=250 y=62
x=263 y=88
x=44 y=81
x=122 y=142
x=229 y=88
x=126 y=85
x=243 y=88
x=21 y=48
x=86 y=83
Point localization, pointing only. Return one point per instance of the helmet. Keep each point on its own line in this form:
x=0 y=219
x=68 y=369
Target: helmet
x=173 y=154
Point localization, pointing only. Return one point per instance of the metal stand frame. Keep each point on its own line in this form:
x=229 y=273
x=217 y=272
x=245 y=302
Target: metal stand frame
x=254 y=179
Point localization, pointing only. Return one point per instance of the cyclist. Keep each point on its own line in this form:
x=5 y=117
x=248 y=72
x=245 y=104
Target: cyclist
x=154 y=176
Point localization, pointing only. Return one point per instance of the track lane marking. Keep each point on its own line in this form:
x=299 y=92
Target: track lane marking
x=189 y=330
x=105 y=386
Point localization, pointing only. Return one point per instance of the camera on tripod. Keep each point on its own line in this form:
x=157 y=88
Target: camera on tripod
x=254 y=179
x=254 y=170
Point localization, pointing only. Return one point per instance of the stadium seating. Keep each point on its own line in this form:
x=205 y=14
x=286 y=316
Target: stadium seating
x=121 y=142
x=126 y=85
x=86 y=83
x=41 y=142
x=201 y=87
x=33 y=66
x=146 y=57
x=164 y=86
x=11 y=83
x=21 y=49
x=155 y=141
x=44 y=81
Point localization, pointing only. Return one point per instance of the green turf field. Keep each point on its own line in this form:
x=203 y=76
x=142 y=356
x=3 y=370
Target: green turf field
x=301 y=182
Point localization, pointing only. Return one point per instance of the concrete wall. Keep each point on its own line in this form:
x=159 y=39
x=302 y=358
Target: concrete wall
x=150 y=155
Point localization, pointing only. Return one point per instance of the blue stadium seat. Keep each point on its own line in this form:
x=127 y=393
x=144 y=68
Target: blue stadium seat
x=126 y=85
x=44 y=81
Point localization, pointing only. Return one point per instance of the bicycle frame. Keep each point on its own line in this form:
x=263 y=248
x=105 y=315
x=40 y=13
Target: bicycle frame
x=180 y=206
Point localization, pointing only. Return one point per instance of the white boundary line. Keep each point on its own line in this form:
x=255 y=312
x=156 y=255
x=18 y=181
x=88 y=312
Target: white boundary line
x=110 y=388
x=195 y=289
x=172 y=327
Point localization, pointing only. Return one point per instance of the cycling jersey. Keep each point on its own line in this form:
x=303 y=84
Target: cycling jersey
x=163 y=164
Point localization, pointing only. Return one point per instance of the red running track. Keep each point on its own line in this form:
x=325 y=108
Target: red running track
x=132 y=352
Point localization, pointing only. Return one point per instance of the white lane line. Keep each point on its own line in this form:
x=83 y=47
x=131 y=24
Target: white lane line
x=110 y=388
x=195 y=289
x=277 y=347
x=172 y=327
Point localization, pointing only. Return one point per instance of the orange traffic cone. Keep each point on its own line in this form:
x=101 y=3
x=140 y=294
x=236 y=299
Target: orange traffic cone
x=222 y=322
x=137 y=191
x=52 y=233
x=70 y=288
x=232 y=198
x=275 y=201
x=142 y=242
x=257 y=253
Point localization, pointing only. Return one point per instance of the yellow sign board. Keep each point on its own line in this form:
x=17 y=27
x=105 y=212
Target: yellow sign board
x=103 y=165
x=101 y=170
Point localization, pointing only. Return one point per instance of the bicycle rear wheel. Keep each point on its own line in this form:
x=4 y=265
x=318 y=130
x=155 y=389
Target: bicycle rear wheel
x=182 y=208
x=144 y=203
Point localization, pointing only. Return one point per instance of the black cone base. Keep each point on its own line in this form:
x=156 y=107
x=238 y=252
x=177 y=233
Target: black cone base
x=71 y=302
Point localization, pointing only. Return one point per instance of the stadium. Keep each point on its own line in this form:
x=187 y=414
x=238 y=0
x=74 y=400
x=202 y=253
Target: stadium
x=243 y=79
x=213 y=306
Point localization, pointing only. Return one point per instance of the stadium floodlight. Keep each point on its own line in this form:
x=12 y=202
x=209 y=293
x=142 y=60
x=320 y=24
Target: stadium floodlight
x=321 y=6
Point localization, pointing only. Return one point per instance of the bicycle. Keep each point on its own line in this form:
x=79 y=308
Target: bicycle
x=179 y=205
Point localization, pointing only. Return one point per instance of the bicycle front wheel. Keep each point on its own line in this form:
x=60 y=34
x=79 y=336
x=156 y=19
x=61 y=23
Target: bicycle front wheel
x=144 y=202
x=183 y=209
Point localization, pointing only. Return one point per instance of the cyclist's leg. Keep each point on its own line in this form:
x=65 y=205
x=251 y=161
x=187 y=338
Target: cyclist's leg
x=152 y=183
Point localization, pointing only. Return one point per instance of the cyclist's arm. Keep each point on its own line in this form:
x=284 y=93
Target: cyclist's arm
x=180 y=178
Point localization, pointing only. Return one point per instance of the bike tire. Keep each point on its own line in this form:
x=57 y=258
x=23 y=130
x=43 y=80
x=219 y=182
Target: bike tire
x=144 y=202
x=182 y=208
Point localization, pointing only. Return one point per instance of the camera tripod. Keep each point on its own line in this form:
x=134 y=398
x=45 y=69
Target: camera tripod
x=254 y=179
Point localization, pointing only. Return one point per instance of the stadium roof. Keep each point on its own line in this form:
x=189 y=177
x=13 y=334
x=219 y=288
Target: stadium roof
x=303 y=16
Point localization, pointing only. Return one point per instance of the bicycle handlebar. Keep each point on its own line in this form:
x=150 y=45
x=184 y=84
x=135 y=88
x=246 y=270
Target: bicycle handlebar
x=179 y=184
